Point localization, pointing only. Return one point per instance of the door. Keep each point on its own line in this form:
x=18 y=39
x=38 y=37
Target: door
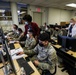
x=37 y=17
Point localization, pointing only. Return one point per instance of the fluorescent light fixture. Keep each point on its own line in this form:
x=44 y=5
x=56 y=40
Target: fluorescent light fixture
x=22 y=12
x=2 y=10
x=18 y=11
x=71 y=5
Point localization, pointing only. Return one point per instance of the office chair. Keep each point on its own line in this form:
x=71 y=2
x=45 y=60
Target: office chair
x=47 y=72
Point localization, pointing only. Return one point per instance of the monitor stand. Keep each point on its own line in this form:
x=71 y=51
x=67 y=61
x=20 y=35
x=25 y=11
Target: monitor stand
x=7 y=70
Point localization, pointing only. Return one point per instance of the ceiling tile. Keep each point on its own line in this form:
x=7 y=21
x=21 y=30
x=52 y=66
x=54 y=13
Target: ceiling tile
x=47 y=3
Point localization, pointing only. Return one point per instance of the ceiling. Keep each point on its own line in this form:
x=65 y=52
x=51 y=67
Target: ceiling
x=47 y=3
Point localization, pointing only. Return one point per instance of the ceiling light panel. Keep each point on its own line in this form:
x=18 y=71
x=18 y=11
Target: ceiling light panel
x=71 y=5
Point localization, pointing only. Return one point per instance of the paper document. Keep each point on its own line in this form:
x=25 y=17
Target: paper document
x=14 y=52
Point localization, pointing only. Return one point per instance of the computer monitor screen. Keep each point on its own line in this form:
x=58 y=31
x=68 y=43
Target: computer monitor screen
x=2 y=46
x=1 y=32
x=48 y=33
x=59 y=39
x=62 y=40
x=71 y=43
x=9 y=58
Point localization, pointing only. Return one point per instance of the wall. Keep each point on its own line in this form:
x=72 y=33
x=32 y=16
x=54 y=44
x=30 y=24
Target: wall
x=44 y=12
x=10 y=27
x=50 y=16
x=31 y=9
x=5 y=22
x=58 y=15
x=74 y=14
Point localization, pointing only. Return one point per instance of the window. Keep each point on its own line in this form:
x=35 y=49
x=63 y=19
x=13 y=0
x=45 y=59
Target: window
x=22 y=10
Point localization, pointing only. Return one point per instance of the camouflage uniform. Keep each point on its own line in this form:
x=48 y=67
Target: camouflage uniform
x=29 y=44
x=64 y=32
x=20 y=38
x=57 y=32
x=13 y=34
x=46 y=56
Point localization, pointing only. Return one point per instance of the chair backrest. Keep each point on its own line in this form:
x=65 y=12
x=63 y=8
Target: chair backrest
x=46 y=72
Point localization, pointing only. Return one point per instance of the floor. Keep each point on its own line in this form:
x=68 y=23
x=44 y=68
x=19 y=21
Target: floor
x=59 y=72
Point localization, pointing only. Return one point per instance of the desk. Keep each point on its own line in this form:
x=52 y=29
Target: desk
x=17 y=45
x=17 y=66
x=72 y=53
x=69 y=59
x=1 y=71
x=31 y=64
x=54 y=40
x=57 y=46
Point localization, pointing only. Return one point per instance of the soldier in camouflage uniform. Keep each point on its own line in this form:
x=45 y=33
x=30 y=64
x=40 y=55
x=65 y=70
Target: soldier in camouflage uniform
x=20 y=37
x=14 y=33
x=30 y=41
x=45 y=57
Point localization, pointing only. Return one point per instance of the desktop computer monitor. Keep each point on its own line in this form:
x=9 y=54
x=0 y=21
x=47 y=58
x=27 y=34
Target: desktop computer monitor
x=62 y=40
x=2 y=34
x=71 y=43
x=6 y=49
x=59 y=39
x=10 y=58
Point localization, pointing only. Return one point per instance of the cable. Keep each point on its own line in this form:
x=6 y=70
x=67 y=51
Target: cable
x=2 y=66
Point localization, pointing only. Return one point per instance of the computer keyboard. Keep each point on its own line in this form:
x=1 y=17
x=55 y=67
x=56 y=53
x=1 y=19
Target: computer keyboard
x=11 y=46
x=63 y=49
x=23 y=63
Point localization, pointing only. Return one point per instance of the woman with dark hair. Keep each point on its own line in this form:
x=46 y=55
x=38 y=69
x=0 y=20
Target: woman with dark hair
x=29 y=25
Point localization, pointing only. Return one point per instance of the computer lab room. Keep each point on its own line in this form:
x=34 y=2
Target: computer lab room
x=37 y=37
